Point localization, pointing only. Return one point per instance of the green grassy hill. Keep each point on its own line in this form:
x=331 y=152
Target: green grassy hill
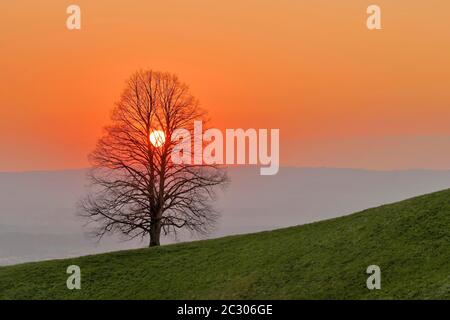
x=409 y=240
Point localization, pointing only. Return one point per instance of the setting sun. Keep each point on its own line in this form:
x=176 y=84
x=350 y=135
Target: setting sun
x=157 y=138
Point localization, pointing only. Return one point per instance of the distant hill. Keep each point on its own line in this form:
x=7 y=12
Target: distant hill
x=409 y=240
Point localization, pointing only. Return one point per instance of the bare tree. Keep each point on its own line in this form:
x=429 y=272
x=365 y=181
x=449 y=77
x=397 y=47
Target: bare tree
x=137 y=190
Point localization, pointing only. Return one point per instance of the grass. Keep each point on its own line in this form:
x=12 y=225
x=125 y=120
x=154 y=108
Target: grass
x=409 y=240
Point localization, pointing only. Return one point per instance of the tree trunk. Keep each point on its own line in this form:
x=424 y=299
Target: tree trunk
x=155 y=233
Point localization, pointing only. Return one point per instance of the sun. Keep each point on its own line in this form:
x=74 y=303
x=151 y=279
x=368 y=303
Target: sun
x=157 y=138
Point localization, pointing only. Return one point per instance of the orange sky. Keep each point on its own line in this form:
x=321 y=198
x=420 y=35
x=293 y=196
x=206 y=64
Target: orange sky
x=342 y=96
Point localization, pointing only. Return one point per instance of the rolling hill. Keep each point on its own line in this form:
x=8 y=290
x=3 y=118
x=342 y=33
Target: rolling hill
x=409 y=240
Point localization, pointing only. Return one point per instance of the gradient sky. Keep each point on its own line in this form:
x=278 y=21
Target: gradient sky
x=342 y=96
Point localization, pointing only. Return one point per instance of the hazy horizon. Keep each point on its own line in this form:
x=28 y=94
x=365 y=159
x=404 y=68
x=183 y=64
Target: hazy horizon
x=38 y=221
x=250 y=167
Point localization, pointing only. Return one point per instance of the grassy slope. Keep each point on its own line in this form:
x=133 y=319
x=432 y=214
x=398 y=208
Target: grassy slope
x=409 y=240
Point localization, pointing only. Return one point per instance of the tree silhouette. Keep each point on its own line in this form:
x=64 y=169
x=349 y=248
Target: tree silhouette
x=136 y=188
